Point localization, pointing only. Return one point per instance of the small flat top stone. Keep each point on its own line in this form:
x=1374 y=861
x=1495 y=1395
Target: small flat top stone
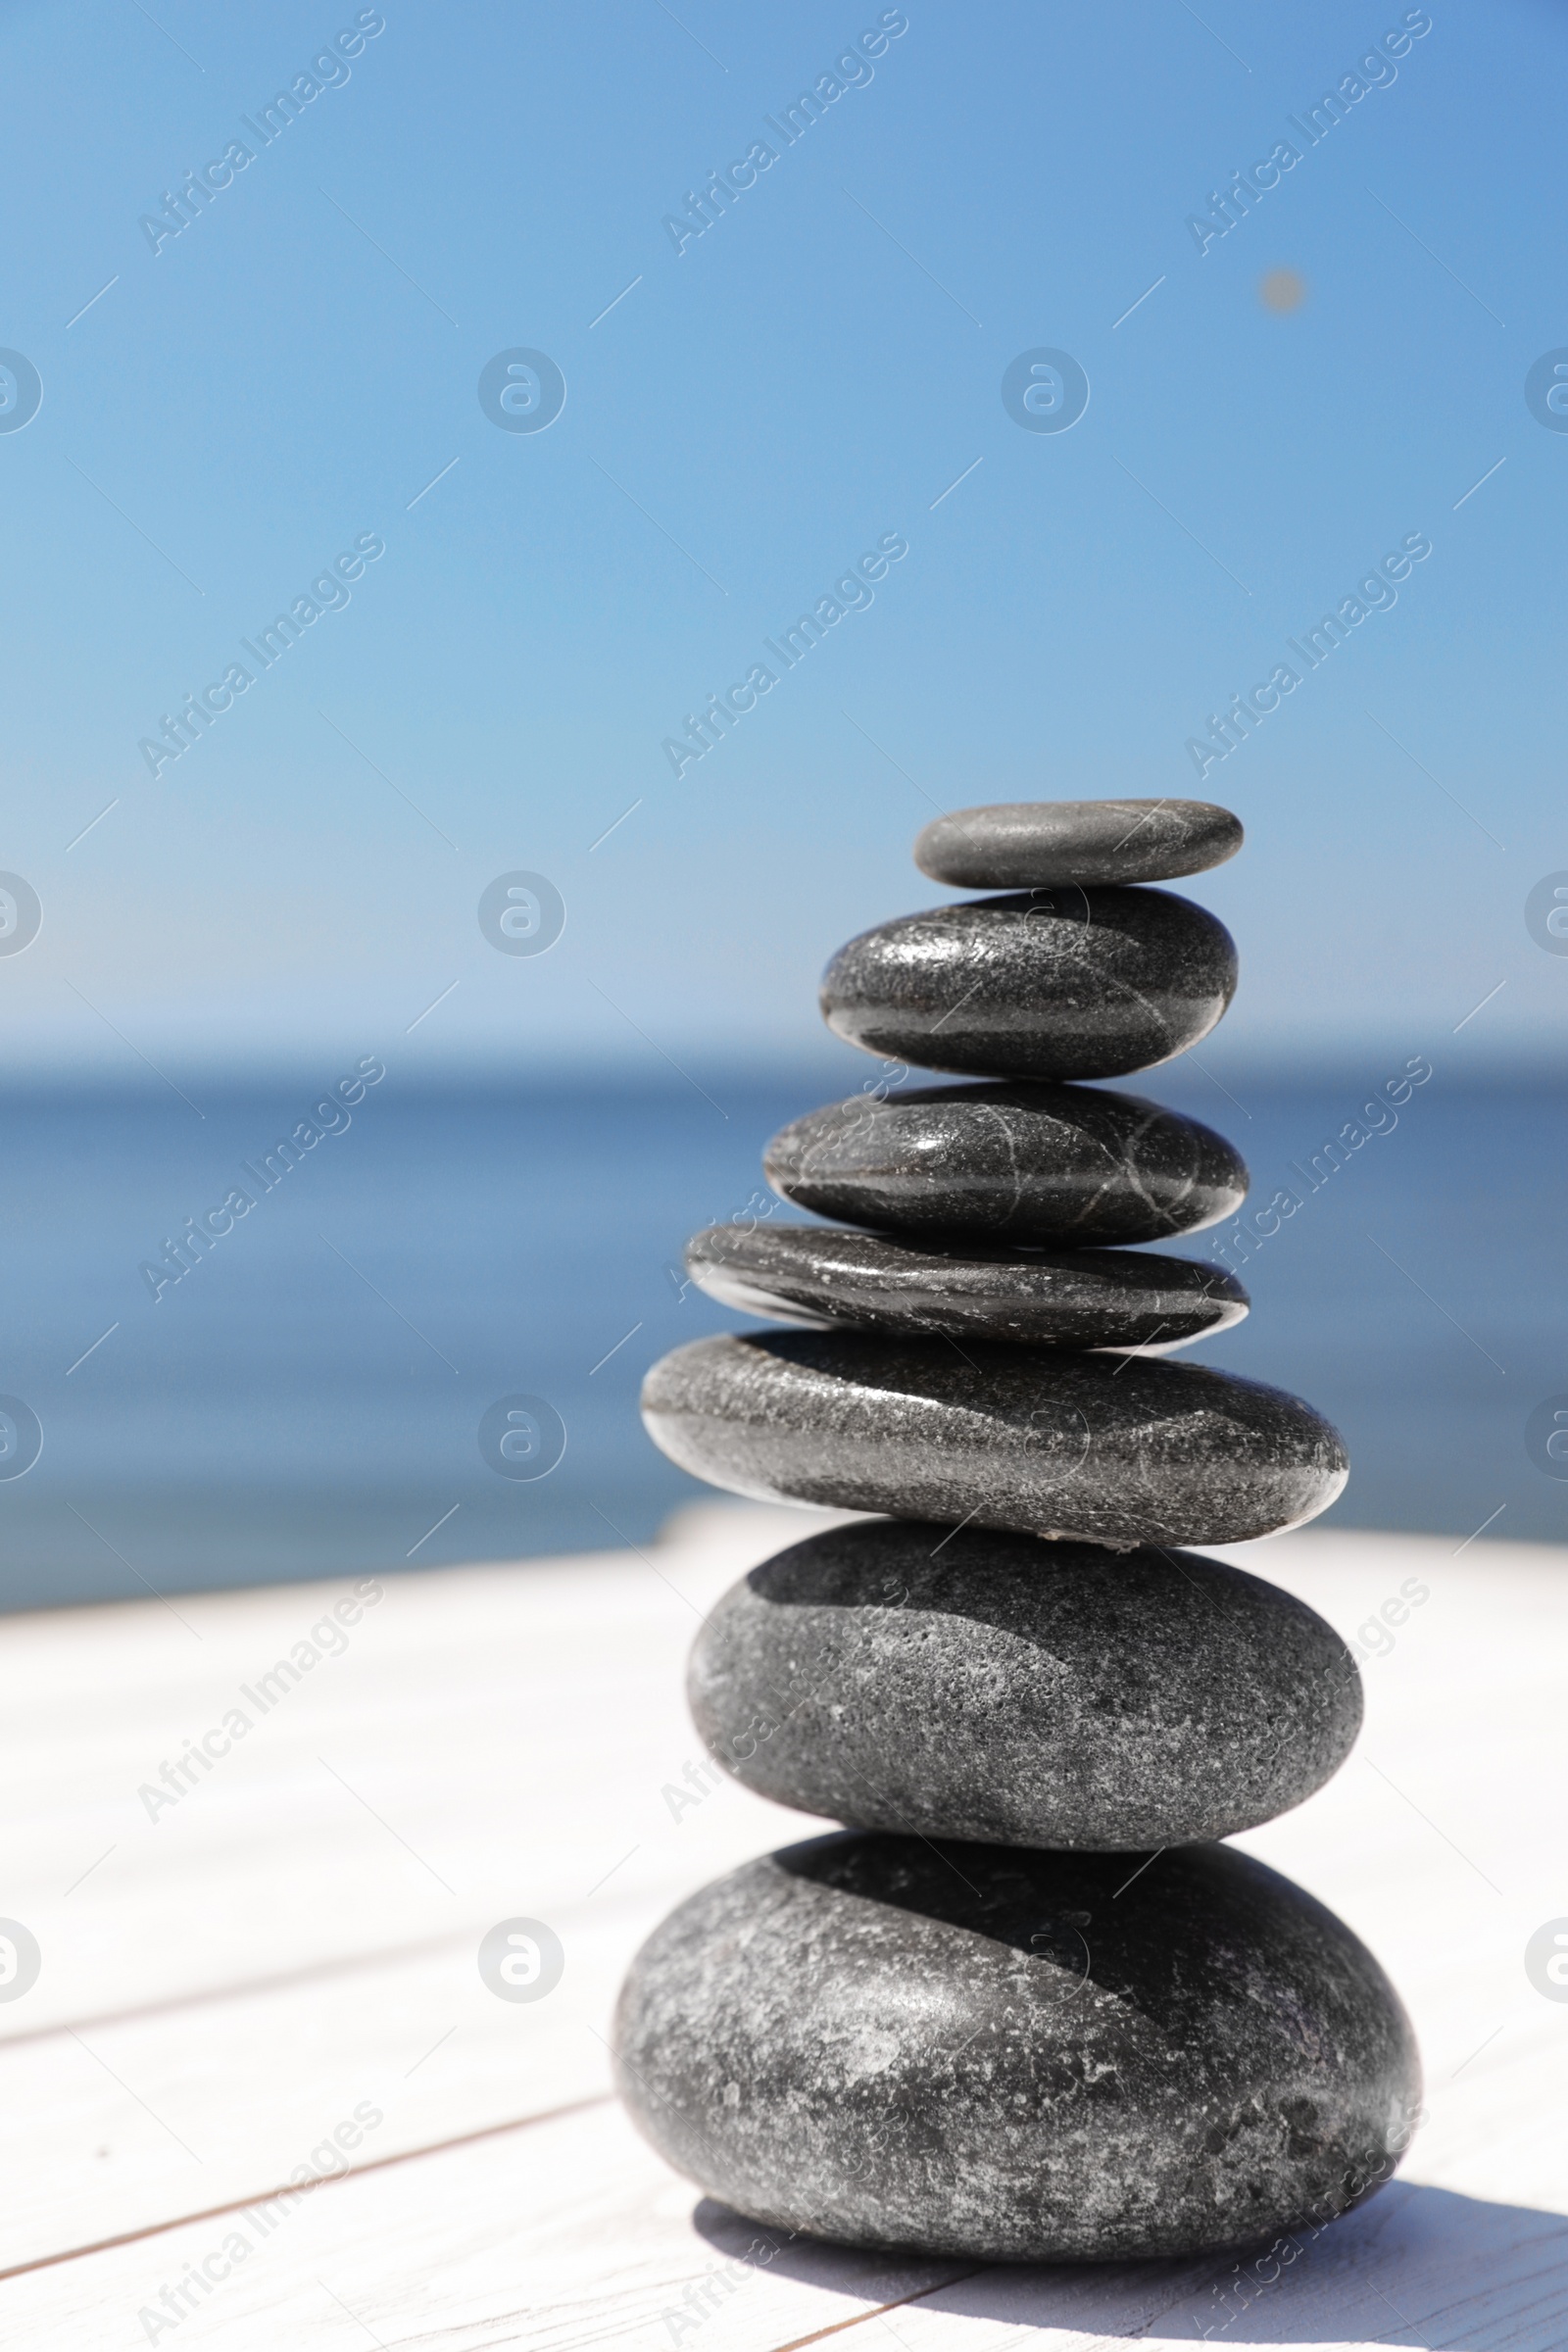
x=1020 y=845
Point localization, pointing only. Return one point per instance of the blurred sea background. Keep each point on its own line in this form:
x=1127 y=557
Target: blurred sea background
x=209 y=400
x=307 y=1401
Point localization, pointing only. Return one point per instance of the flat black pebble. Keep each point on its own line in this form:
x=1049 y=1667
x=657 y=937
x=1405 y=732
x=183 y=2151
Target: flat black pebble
x=1062 y=983
x=990 y=1687
x=1023 y=845
x=825 y=1275
x=1032 y=1164
x=1116 y=1449
x=1006 y=2055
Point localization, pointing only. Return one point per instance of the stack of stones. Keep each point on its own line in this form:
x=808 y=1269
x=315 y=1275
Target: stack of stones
x=1024 y=2006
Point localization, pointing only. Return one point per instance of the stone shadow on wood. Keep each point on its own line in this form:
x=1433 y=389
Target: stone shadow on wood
x=1430 y=2270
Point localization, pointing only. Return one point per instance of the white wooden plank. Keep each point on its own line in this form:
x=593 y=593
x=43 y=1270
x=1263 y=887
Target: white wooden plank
x=570 y=2232
x=1440 y=1841
x=510 y=1726
x=180 y=2111
x=140 y=2115
x=564 y=2233
x=1464 y=1705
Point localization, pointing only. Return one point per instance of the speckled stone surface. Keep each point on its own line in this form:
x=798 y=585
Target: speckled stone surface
x=1016 y=2056
x=824 y=1275
x=1019 y=1164
x=990 y=1687
x=1115 y=1449
x=1019 y=845
x=1061 y=983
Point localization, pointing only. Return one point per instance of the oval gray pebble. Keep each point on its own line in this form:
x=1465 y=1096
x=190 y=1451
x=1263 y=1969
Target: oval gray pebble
x=1019 y=1164
x=1062 y=983
x=985 y=1686
x=1109 y=1450
x=1023 y=845
x=1014 y=2056
x=825 y=1275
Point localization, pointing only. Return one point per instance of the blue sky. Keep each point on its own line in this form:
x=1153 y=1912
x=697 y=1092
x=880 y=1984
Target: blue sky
x=819 y=369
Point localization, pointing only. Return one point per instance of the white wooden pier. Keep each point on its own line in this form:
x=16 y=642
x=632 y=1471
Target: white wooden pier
x=269 y=1979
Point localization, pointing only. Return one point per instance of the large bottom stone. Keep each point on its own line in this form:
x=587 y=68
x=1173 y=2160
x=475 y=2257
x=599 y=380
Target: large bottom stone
x=973 y=2051
x=1112 y=1449
x=966 y=1684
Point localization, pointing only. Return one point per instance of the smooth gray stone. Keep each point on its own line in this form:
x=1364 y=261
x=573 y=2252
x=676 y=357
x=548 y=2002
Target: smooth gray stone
x=1110 y=1449
x=1005 y=2055
x=825 y=1275
x=1024 y=845
x=990 y=1687
x=1062 y=983
x=1025 y=1164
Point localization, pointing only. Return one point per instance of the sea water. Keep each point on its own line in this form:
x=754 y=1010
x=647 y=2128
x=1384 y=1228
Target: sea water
x=306 y=1400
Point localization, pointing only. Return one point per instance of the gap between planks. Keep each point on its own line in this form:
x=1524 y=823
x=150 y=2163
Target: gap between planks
x=309 y=1972
x=859 y=2319
x=289 y=2188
